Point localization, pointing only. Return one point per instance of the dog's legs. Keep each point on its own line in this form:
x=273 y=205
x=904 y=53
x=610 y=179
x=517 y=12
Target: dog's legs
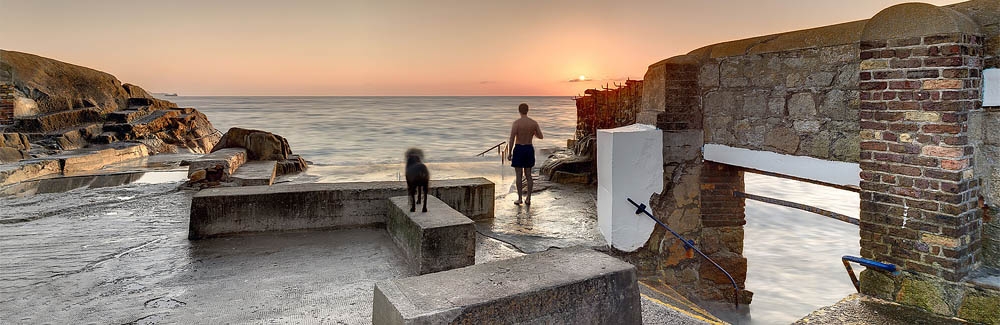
x=425 y=197
x=418 y=193
x=410 y=191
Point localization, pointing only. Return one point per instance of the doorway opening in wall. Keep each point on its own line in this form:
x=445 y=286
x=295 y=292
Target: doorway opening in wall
x=793 y=255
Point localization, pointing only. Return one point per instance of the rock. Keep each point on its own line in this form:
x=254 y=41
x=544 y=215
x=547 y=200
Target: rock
x=134 y=91
x=15 y=140
x=8 y=155
x=58 y=86
x=260 y=145
x=197 y=176
x=783 y=139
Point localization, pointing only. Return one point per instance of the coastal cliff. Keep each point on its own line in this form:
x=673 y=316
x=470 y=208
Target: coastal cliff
x=61 y=106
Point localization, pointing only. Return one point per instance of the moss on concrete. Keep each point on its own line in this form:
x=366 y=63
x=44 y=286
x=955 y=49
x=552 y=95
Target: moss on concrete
x=878 y=284
x=980 y=308
x=925 y=294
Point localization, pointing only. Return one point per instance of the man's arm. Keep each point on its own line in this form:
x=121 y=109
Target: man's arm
x=510 y=142
x=538 y=131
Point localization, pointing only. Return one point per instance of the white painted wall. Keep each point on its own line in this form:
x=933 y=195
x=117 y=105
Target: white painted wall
x=629 y=165
x=991 y=87
x=832 y=172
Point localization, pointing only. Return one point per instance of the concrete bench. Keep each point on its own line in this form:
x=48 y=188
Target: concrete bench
x=230 y=210
x=564 y=286
x=433 y=241
x=256 y=173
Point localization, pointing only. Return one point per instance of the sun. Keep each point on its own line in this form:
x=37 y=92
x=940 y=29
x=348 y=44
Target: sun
x=582 y=77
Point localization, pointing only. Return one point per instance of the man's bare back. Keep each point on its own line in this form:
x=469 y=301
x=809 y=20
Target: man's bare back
x=524 y=130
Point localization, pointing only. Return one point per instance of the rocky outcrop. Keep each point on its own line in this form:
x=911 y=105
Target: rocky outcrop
x=65 y=107
x=268 y=153
x=13 y=147
x=57 y=86
x=262 y=145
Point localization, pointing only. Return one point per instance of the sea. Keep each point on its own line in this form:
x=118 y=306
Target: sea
x=793 y=256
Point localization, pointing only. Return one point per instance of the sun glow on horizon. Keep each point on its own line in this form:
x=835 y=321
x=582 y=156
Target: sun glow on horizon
x=582 y=77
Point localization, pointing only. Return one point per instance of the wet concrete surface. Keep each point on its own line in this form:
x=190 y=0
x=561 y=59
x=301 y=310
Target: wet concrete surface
x=121 y=255
x=861 y=309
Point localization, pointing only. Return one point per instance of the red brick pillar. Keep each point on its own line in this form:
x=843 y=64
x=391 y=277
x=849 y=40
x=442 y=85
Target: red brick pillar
x=722 y=220
x=918 y=190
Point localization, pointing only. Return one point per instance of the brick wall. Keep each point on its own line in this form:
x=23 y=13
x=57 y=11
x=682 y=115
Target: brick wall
x=6 y=104
x=919 y=192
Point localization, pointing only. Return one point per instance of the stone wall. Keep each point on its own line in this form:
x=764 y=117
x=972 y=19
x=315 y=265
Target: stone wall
x=900 y=94
x=799 y=102
x=607 y=108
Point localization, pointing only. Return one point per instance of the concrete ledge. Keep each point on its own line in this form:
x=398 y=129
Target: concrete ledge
x=231 y=210
x=256 y=173
x=26 y=170
x=563 y=286
x=433 y=241
x=230 y=158
x=98 y=159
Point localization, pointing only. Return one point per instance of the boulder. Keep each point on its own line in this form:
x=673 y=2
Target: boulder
x=260 y=145
x=57 y=86
x=134 y=91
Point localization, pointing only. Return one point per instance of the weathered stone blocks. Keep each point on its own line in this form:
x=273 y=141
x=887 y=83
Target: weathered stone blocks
x=563 y=286
x=437 y=240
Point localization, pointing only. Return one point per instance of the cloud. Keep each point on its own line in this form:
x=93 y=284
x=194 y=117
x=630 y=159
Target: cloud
x=579 y=80
x=487 y=82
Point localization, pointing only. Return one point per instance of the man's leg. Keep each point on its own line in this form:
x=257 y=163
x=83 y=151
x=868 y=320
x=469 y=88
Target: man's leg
x=517 y=183
x=527 y=195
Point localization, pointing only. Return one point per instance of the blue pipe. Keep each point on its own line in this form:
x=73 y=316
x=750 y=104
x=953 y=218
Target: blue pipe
x=689 y=244
x=891 y=268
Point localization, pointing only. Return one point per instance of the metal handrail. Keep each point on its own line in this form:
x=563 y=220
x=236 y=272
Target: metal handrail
x=886 y=267
x=689 y=245
x=491 y=148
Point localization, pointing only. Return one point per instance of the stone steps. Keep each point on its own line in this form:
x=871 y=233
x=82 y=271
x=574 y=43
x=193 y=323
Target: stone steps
x=562 y=286
x=437 y=240
x=256 y=173
x=127 y=116
x=56 y=121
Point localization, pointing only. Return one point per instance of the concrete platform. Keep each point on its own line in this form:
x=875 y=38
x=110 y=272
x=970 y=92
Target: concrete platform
x=437 y=240
x=256 y=173
x=223 y=211
x=565 y=286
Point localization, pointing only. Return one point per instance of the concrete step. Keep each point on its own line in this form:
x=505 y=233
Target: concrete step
x=230 y=159
x=437 y=240
x=255 y=173
x=228 y=210
x=562 y=286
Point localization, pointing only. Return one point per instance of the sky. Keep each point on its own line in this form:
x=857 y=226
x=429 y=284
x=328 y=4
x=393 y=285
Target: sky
x=395 y=48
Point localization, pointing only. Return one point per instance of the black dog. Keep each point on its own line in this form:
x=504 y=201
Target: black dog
x=417 y=177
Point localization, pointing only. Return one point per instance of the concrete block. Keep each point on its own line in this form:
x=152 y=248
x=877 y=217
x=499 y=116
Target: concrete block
x=629 y=165
x=256 y=173
x=230 y=210
x=433 y=241
x=563 y=286
x=230 y=158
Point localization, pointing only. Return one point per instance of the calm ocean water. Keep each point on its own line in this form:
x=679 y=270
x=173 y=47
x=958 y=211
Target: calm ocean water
x=793 y=256
x=347 y=131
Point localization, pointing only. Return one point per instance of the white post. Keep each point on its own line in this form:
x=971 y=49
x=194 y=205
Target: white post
x=629 y=165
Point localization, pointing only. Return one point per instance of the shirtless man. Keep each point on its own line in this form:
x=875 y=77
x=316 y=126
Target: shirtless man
x=520 y=152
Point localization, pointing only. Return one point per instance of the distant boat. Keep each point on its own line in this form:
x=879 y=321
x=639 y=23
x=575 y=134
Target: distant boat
x=170 y=94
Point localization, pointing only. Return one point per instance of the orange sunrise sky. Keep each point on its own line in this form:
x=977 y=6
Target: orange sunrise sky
x=394 y=47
